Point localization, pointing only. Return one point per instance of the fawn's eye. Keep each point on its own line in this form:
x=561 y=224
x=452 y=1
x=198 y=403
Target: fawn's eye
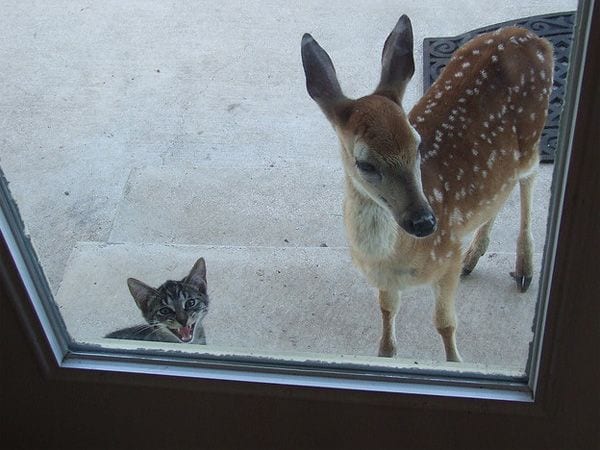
x=165 y=311
x=366 y=167
x=190 y=303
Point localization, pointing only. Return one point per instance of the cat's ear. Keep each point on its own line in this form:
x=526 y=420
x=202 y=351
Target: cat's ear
x=141 y=292
x=197 y=276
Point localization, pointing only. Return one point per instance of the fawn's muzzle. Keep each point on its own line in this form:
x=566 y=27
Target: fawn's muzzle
x=420 y=223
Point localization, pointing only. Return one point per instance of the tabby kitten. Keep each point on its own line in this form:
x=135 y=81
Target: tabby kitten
x=174 y=311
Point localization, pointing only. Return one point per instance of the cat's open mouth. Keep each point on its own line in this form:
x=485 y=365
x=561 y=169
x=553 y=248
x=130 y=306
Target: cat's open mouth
x=184 y=334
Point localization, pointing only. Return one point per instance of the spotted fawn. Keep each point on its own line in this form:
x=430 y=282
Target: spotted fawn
x=417 y=184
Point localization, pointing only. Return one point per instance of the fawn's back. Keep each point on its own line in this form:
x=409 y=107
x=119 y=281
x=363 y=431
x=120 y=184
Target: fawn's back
x=480 y=124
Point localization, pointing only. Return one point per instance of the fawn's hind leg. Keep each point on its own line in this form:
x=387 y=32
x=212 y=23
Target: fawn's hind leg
x=524 y=264
x=478 y=247
x=445 y=314
x=389 y=301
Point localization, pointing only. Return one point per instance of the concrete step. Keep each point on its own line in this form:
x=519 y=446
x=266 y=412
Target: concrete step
x=300 y=300
x=293 y=205
x=233 y=205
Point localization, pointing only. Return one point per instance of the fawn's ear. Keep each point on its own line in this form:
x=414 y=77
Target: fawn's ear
x=197 y=276
x=140 y=292
x=397 y=63
x=321 y=80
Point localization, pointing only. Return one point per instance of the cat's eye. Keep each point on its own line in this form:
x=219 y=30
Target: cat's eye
x=165 y=311
x=190 y=303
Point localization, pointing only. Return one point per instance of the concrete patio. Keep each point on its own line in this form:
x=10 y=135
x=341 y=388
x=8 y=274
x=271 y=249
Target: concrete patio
x=138 y=136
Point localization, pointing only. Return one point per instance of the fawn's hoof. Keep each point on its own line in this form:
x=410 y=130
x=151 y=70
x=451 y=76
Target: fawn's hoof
x=386 y=350
x=523 y=281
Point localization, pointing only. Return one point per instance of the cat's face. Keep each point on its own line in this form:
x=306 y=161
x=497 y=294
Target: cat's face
x=178 y=306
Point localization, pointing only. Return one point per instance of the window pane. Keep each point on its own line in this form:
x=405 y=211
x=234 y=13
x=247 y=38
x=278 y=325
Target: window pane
x=139 y=138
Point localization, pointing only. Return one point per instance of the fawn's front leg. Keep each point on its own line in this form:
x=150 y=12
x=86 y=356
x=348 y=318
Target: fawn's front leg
x=389 y=302
x=445 y=314
x=478 y=247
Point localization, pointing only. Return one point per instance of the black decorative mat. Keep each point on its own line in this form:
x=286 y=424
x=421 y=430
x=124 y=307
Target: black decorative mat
x=557 y=28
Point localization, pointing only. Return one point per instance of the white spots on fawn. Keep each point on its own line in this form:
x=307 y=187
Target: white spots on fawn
x=484 y=173
x=466 y=64
x=447 y=186
x=451 y=118
x=491 y=159
x=476 y=51
x=438 y=196
x=494 y=58
x=427 y=111
x=519 y=110
x=462 y=100
x=486 y=124
x=475 y=168
x=522 y=79
x=438 y=94
x=513 y=40
x=516 y=155
x=456 y=217
x=532 y=116
x=460 y=174
x=458 y=74
x=489 y=41
x=448 y=87
x=420 y=119
x=540 y=56
x=542 y=74
x=500 y=47
x=474 y=151
x=433 y=256
x=484 y=74
x=469 y=91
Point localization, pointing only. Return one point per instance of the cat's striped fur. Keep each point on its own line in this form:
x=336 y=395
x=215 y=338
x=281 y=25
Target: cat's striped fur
x=173 y=311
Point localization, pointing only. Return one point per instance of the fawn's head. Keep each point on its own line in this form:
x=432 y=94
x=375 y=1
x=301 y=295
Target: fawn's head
x=380 y=147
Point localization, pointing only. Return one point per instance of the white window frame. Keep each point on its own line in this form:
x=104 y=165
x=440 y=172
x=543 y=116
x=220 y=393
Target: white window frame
x=560 y=375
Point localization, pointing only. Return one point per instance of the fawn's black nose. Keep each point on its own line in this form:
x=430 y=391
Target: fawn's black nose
x=421 y=223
